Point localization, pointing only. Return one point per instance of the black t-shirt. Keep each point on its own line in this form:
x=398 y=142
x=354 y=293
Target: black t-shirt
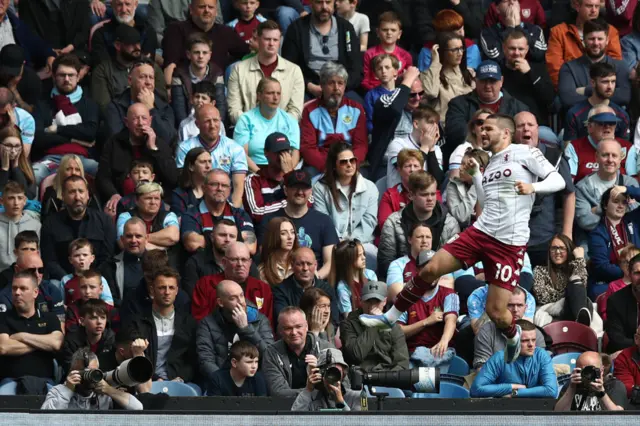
x=223 y=385
x=299 y=366
x=315 y=230
x=36 y=363
x=585 y=402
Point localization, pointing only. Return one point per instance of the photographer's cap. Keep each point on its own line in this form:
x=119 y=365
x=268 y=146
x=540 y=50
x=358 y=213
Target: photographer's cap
x=336 y=357
x=374 y=290
x=489 y=70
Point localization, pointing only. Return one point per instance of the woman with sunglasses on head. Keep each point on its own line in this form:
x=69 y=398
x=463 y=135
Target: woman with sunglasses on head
x=348 y=274
x=474 y=140
x=448 y=76
x=563 y=278
x=350 y=200
x=618 y=227
x=280 y=240
x=14 y=164
x=190 y=190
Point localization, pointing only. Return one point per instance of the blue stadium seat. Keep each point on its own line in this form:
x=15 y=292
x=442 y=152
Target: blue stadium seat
x=393 y=392
x=458 y=366
x=452 y=378
x=8 y=388
x=569 y=358
x=173 y=388
x=195 y=387
x=447 y=390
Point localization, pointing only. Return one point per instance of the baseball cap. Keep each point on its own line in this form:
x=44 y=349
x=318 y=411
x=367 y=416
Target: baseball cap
x=336 y=357
x=424 y=257
x=297 y=177
x=277 y=142
x=374 y=290
x=127 y=35
x=489 y=70
x=604 y=117
x=11 y=59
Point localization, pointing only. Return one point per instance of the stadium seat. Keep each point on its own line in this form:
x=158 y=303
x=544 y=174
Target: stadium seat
x=458 y=366
x=447 y=390
x=393 y=392
x=197 y=388
x=173 y=388
x=8 y=388
x=568 y=358
x=452 y=378
x=570 y=336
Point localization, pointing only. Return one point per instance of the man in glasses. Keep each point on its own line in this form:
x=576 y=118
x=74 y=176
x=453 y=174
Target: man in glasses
x=236 y=263
x=331 y=118
x=199 y=221
x=487 y=94
x=50 y=297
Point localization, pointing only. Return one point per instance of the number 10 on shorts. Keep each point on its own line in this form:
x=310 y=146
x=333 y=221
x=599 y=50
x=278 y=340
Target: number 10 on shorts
x=504 y=273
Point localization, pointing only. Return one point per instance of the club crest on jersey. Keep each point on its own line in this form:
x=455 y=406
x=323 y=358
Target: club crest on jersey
x=624 y=153
x=506 y=158
x=347 y=119
x=526 y=13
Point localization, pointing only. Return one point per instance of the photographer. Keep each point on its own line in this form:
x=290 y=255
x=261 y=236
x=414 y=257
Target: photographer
x=588 y=391
x=324 y=386
x=86 y=389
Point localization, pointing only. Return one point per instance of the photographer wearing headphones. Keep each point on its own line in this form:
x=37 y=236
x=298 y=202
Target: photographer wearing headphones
x=589 y=390
x=324 y=386
x=86 y=389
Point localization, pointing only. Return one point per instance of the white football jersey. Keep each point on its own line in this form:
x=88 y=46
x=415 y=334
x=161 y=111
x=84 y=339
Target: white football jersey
x=506 y=213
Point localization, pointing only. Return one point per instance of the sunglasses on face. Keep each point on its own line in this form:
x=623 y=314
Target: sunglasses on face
x=345 y=161
x=35 y=270
x=417 y=94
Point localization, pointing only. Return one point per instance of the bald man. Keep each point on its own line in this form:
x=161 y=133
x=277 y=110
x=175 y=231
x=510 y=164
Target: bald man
x=602 y=394
x=142 y=89
x=139 y=139
x=581 y=153
x=290 y=290
x=236 y=263
x=233 y=320
x=226 y=154
x=543 y=214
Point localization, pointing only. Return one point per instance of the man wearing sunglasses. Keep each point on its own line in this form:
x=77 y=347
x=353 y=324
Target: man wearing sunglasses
x=50 y=297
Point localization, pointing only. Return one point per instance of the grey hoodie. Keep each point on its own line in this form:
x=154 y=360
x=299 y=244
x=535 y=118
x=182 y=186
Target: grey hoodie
x=30 y=221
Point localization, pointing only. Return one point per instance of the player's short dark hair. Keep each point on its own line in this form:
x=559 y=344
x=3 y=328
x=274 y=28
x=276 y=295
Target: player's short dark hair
x=601 y=70
x=504 y=122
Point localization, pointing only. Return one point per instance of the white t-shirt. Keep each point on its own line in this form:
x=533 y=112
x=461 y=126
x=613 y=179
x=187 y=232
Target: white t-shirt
x=394 y=148
x=360 y=23
x=505 y=215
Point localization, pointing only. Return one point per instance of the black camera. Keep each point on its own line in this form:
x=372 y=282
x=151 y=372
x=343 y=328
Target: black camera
x=589 y=374
x=329 y=371
x=635 y=395
x=92 y=376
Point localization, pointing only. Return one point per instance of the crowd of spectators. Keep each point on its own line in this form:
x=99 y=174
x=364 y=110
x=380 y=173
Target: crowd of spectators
x=224 y=186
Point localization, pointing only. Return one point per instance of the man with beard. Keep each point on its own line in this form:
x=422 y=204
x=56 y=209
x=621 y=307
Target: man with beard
x=331 y=118
x=29 y=336
x=319 y=38
x=79 y=394
x=581 y=152
x=170 y=332
x=66 y=123
x=124 y=11
x=75 y=221
x=603 y=80
x=574 y=82
x=110 y=77
x=143 y=90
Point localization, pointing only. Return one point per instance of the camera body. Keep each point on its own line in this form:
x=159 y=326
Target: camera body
x=589 y=374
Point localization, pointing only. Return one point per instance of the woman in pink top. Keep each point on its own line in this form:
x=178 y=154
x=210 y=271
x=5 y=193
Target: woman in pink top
x=626 y=255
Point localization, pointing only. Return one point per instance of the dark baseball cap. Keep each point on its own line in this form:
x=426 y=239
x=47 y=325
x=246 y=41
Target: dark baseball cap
x=604 y=117
x=297 y=177
x=489 y=70
x=127 y=35
x=11 y=60
x=277 y=142
x=374 y=290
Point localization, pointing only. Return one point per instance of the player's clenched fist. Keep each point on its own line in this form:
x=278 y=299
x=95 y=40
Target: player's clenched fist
x=524 y=188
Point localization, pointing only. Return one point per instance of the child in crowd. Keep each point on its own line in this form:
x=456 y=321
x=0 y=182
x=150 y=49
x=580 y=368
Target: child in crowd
x=93 y=332
x=389 y=32
x=199 y=68
x=461 y=194
x=243 y=378
x=349 y=273
x=204 y=93
x=26 y=241
x=386 y=67
x=81 y=256
x=248 y=21
x=91 y=286
x=347 y=9
x=14 y=220
x=141 y=171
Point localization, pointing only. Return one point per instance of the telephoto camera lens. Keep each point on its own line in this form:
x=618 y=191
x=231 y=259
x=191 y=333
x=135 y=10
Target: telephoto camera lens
x=92 y=376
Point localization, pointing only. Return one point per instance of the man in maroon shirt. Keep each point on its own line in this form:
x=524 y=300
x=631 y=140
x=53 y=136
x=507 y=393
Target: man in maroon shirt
x=227 y=45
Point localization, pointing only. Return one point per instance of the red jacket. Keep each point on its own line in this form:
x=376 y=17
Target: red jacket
x=626 y=368
x=204 y=296
x=317 y=131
